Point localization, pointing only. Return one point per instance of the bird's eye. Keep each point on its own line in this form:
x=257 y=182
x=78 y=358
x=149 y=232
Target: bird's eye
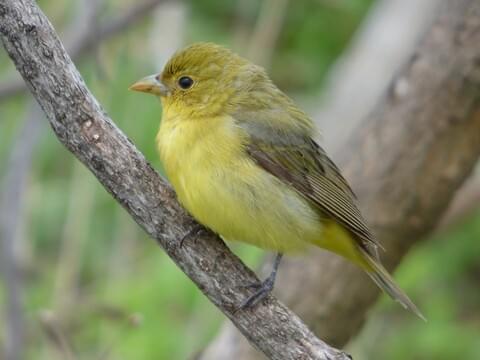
x=185 y=82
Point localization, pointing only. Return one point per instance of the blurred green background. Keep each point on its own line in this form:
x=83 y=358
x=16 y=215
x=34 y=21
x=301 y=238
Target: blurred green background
x=95 y=286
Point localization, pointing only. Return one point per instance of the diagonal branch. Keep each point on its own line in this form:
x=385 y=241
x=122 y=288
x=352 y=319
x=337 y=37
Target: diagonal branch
x=83 y=127
x=12 y=201
x=89 y=40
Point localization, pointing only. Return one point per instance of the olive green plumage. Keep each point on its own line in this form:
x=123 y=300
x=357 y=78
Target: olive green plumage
x=242 y=159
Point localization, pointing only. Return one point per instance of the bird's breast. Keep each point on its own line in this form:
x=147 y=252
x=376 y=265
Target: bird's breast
x=224 y=189
x=197 y=154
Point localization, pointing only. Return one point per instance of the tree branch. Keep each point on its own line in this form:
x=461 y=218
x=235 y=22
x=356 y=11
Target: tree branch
x=89 y=40
x=386 y=39
x=83 y=127
x=266 y=31
x=466 y=202
x=11 y=207
x=405 y=164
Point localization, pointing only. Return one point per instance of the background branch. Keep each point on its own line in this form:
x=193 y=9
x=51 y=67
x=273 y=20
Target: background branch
x=387 y=38
x=466 y=202
x=266 y=32
x=11 y=208
x=83 y=127
x=405 y=163
x=78 y=46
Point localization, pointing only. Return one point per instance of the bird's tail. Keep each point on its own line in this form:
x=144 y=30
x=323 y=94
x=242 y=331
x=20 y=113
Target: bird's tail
x=382 y=278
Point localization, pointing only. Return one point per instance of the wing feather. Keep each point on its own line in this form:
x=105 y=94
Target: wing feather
x=298 y=160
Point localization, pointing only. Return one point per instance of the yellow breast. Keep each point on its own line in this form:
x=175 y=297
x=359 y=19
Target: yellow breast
x=197 y=152
x=226 y=191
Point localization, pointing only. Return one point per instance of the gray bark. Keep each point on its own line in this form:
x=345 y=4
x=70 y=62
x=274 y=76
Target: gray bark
x=84 y=128
x=405 y=164
x=90 y=39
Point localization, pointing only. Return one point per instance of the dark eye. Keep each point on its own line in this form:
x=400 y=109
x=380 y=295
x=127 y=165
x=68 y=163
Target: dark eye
x=185 y=82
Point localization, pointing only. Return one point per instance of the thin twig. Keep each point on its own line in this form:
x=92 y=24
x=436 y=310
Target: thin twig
x=56 y=334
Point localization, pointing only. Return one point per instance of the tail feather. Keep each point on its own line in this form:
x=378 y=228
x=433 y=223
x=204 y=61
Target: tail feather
x=382 y=278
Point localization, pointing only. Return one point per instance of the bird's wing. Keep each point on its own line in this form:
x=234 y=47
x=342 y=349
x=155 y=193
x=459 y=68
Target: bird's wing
x=297 y=160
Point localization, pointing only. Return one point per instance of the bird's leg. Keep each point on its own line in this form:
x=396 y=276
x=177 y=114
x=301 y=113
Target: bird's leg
x=197 y=229
x=264 y=288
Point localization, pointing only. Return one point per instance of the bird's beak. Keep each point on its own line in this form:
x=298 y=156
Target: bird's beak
x=150 y=84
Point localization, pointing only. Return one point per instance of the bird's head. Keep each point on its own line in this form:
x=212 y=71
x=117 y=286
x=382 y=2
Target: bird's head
x=203 y=79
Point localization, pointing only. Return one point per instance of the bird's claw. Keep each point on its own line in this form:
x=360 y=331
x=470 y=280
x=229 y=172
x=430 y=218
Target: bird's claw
x=253 y=286
x=196 y=230
x=263 y=289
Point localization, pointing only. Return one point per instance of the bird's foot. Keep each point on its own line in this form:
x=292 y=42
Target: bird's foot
x=196 y=230
x=263 y=289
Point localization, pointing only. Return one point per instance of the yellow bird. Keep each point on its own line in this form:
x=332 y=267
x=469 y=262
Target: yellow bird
x=241 y=157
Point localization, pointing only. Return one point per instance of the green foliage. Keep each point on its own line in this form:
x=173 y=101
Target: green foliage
x=441 y=275
x=125 y=299
x=314 y=34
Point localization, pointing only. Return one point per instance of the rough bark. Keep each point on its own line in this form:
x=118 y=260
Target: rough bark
x=405 y=163
x=89 y=40
x=83 y=35
x=84 y=128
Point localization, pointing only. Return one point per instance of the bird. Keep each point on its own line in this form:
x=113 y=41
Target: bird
x=242 y=159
